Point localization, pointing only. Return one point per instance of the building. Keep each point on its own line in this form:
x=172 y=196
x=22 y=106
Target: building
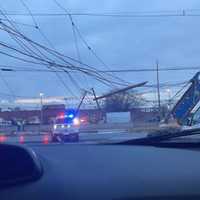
x=49 y=113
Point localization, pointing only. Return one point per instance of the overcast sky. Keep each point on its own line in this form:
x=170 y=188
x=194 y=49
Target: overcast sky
x=120 y=42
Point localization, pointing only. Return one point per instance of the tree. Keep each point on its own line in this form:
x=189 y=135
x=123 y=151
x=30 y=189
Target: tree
x=123 y=101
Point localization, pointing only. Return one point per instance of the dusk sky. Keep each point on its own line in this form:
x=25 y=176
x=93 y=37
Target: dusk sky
x=122 y=43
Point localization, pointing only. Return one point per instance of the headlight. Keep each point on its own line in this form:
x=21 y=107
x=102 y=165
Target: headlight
x=76 y=121
x=62 y=126
x=55 y=126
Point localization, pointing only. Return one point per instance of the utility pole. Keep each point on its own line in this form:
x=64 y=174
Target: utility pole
x=82 y=99
x=158 y=88
x=41 y=110
x=169 y=98
x=95 y=97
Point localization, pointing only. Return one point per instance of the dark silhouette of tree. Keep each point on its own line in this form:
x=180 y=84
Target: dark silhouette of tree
x=123 y=101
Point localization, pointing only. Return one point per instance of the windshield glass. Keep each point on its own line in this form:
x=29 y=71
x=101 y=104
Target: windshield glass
x=63 y=121
x=98 y=71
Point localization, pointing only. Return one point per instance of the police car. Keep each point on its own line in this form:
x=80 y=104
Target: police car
x=66 y=127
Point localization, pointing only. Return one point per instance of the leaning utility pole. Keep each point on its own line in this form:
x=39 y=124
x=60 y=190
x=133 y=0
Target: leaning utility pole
x=82 y=99
x=121 y=90
x=158 y=89
x=95 y=98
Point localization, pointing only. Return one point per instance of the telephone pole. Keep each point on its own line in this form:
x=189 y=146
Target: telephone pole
x=95 y=98
x=158 y=89
x=41 y=110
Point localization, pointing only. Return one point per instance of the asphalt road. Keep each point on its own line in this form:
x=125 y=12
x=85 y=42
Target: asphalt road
x=103 y=136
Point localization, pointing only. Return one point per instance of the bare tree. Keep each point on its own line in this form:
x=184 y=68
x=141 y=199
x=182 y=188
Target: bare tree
x=123 y=101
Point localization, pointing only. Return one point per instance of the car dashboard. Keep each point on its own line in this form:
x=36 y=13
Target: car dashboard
x=77 y=171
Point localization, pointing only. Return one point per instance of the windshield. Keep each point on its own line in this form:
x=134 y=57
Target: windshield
x=63 y=121
x=98 y=71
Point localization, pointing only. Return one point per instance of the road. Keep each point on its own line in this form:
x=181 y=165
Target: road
x=102 y=136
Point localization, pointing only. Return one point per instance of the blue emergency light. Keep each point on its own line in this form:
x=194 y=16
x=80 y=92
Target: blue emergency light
x=70 y=113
